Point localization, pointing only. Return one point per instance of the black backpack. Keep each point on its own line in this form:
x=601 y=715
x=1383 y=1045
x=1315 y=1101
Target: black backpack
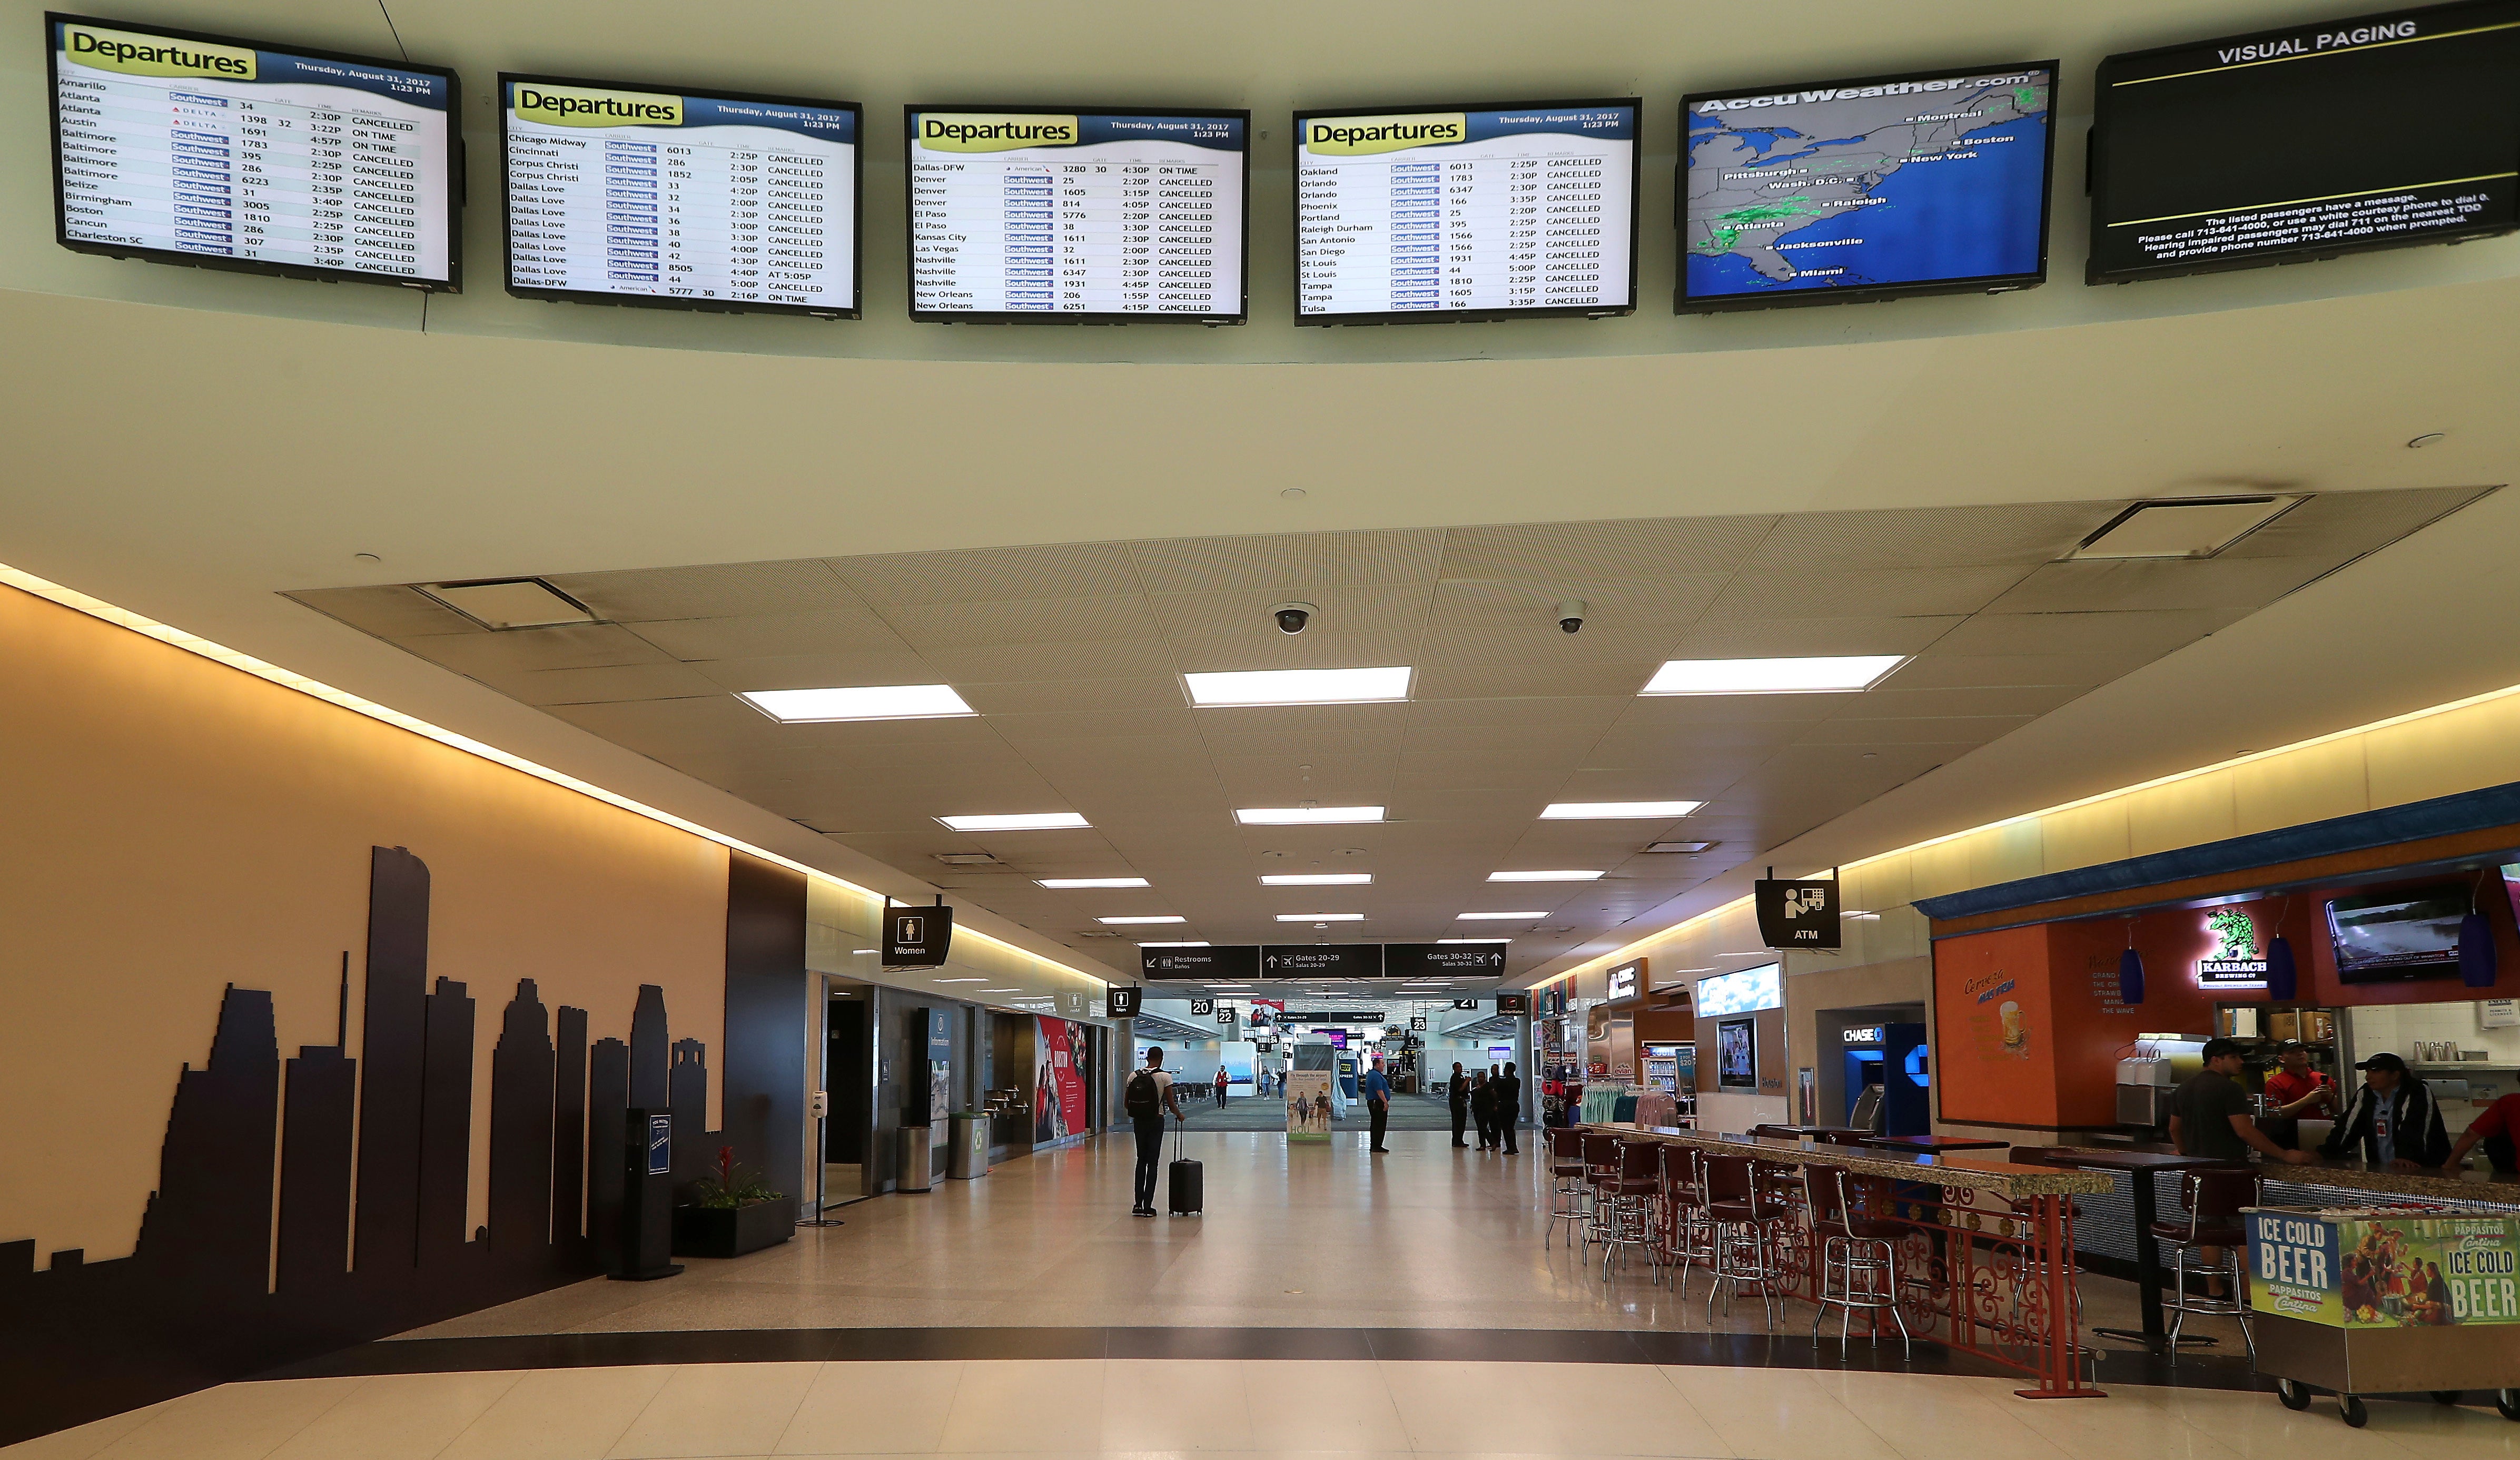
x=1142 y=1098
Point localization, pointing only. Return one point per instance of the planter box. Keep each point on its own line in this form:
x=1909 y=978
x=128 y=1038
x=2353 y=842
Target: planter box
x=732 y=1231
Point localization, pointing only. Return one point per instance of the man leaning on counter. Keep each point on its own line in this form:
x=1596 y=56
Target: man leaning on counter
x=2394 y=1117
x=2210 y=1113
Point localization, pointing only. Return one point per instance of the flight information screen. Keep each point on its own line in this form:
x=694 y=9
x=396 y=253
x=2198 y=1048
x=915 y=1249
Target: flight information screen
x=2269 y=148
x=1077 y=216
x=200 y=150
x=722 y=202
x=1484 y=213
x=1930 y=183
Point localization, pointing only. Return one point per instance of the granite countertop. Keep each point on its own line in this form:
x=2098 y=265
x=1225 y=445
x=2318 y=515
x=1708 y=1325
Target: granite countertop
x=1968 y=1170
x=2431 y=1185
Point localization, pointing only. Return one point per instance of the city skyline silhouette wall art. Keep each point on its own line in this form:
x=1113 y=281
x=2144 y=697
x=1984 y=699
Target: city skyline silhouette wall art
x=363 y=1234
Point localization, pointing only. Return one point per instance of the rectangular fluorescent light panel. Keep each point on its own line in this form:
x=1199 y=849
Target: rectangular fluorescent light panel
x=1474 y=940
x=1688 y=846
x=1316 y=878
x=1299 y=686
x=869 y=702
x=510 y=603
x=2197 y=529
x=1001 y=990
x=1120 y=922
x=1501 y=917
x=1066 y=883
x=1822 y=674
x=961 y=980
x=1192 y=943
x=1305 y=815
x=1616 y=810
x=1027 y=821
x=1562 y=876
x=1321 y=917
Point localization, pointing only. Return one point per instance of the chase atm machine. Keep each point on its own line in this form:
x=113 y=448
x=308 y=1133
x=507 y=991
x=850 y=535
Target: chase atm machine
x=1893 y=1059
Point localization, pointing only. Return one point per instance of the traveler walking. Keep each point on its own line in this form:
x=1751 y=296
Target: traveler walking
x=1149 y=1094
x=1221 y=1080
x=1456 y=1093
x=1507 y=1101
x=1377 y=1103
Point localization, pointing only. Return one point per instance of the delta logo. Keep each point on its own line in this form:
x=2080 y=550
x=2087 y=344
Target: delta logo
x=964 y=131
x=1359 y=136
x=137 y=55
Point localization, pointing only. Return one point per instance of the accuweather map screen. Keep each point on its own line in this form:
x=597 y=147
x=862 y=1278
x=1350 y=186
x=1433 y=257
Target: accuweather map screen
x=1077 y=216
x=725 y=202
x=2323 y=139
x=1934 y=183
x=1481 y=212
x=190 y=149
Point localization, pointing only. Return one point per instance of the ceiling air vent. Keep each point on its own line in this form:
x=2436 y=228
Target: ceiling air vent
x=967 y=859
x=2190 y=527
x=1690 y=846
x=1103 y=932
x=510 y=603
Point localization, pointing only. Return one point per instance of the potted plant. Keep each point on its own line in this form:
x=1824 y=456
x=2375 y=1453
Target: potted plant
x=731 y=1212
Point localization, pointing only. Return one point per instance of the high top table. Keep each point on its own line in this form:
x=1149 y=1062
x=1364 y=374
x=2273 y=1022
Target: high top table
x=2141 y=1165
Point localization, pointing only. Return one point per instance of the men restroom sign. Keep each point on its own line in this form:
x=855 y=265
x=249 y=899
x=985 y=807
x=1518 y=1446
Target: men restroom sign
x=1796 y=913
x=917 y=937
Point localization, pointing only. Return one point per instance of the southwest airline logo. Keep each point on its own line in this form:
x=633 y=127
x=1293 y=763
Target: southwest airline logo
x=139 y=55
x=578 y=106
x=970 y=131
x=1356 y=136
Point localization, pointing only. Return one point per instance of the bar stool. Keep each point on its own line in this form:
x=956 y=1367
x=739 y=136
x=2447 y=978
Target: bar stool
x=2213 y=1199
x=1739 y=1209
x=1629 y=1218
x=1852 y=1245
x=1567 y=1189
x=1688 y=1234
x=1601 y=1169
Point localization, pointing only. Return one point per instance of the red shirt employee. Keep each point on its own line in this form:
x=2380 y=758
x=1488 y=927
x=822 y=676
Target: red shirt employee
x=2496 y=1127
x=2296 y=1089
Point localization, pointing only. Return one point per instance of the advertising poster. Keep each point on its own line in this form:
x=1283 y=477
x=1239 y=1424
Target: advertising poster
x=1059 y=1089
x=2385 y=1269
x=1308 y=1105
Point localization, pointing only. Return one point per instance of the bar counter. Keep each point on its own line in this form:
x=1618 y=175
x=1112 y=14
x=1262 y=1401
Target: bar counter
x=1966 y=1171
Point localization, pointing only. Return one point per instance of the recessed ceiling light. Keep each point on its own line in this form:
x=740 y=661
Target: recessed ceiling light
x=1001 y=990
x=1299 y=686
x=1501 y=917
x=1688 y=846
x=1316 y=878
x=1321 y=917
x=1196 y=943
x=874 y=702
x=2197 y=527
x=1305 y=815
x=1025 y=821
x=1122 y=921
x=1562 y=876
x=861 y=950
x=1474 y=940
x=1822 y=674
x=510 y=603
x=1066 y=884
x=1616 y=810
x=961 y=980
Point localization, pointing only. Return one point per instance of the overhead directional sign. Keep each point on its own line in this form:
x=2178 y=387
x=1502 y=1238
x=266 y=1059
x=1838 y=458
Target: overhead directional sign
x=1437 y=960
x=1233 y=963
x=1320 y=960
x=1221 y=964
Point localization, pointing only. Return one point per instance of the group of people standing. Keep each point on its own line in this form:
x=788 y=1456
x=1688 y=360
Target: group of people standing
x=1494 y=1099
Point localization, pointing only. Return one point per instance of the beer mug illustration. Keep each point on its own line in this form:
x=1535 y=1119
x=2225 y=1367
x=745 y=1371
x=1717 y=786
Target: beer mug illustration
x=2014 y=1033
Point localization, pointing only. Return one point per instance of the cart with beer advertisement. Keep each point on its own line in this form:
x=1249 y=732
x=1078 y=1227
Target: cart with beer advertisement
x=2390 y=1301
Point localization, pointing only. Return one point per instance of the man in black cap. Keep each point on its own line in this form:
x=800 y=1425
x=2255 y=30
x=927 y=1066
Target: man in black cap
x=2210 y=1116
x=2395 y=1119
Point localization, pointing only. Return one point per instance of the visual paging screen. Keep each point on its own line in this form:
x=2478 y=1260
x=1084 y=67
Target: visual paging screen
x=2271 y=147
x=1471 y=213
x=719 y=201
x=1030 y=214
x=1930 y=183
x=184 y=148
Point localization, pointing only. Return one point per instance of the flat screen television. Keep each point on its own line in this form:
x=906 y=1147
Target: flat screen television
x=1736 y=1055
x=1933 y=182
x=2272 y=147
x=2409 y=933
x=222 y=153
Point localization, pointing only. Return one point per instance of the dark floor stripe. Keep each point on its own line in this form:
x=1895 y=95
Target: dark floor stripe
x=741 y=1345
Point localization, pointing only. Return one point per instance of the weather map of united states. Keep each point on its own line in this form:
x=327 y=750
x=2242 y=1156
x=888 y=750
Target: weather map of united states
x=1872 y=185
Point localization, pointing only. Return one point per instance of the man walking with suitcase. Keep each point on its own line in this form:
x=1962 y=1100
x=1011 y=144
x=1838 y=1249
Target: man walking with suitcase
x=1147 y=1096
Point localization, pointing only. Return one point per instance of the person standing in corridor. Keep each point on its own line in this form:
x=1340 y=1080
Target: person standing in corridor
x=1148 y=1095
x=1482 y=1110
x=1507 y=1101
x=1376 y=1091
x=1456 y=1093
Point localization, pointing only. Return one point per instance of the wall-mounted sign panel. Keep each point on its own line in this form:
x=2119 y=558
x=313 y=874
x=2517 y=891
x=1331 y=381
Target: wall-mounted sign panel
x=1517 y=1002
x=1627 y=979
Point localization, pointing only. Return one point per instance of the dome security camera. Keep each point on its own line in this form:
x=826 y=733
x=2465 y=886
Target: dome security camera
x=1570 y=616
x=1293 y=617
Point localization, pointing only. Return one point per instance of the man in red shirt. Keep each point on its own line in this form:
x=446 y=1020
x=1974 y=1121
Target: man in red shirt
x=2496 y=1127
x=2296 y=1089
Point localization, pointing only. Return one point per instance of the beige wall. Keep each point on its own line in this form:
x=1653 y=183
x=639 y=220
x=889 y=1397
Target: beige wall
x=173 y=824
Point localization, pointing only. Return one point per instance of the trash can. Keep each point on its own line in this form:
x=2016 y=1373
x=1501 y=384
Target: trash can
x=969 y=1155
x=918 y=1165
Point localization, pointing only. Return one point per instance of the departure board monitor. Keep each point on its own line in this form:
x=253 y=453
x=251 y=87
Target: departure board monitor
x=1030 y=213
x=1929 y=183
x=1465 y=213
x=625 y=195
x=182 y=148
x=2307 y=142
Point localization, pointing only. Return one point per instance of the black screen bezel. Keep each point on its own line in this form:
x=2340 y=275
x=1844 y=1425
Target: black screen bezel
x=1789 y=298
x=2093 y=273
x=453 y=283
x=1636 y=167
x=910 y=227
x=857 y=207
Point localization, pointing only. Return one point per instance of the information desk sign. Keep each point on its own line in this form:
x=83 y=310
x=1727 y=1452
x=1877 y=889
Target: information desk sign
x=1441 y=960
x=725 y=202
x=182 y=148
x=1467 y=212
x=1026 y=213
x=1320 y=960
x=1229 y=964
x=2385 y=1269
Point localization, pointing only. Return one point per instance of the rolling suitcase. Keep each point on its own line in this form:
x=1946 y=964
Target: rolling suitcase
x=1187 y=1181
